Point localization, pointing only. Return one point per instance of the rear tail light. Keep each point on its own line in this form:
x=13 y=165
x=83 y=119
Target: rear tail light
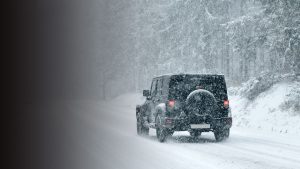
x=226 y=103
x=171 y=103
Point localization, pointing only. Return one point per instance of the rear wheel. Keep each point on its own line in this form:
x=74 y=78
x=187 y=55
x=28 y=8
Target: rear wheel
x=221 y=135
x=161 y=132
x=141 y=129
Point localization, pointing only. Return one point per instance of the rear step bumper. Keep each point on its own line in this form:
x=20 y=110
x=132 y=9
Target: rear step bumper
x=183 y=124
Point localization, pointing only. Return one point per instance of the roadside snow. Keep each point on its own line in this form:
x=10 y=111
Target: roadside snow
x=269 y=111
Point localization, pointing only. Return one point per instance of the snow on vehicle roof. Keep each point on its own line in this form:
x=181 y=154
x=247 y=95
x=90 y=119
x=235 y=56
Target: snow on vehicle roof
x=183 y=74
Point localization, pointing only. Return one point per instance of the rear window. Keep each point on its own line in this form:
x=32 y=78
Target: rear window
x=181 y=86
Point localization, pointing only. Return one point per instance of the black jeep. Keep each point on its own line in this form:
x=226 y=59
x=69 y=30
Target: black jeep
x=185 y=102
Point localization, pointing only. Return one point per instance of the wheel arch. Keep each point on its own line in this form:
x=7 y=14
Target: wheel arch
x=160 y=109
x=137 y=109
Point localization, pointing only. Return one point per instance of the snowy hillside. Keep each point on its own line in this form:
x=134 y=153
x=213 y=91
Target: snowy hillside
x=276 y=109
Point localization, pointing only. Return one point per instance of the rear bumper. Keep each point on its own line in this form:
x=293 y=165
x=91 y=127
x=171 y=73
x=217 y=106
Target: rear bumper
x=183 y=124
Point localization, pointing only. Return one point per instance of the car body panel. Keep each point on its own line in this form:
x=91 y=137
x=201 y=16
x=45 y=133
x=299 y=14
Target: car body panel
x=160 y=95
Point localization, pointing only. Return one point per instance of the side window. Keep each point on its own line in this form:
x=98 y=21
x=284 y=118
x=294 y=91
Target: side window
x=156 y=88
x=160 y=87
x=153 y=88
x=165 y=86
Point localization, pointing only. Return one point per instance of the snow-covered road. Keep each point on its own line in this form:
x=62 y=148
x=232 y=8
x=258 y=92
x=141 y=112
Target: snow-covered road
x=111 y=142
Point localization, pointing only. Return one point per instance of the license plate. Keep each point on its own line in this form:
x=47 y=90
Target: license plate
x=200 y=126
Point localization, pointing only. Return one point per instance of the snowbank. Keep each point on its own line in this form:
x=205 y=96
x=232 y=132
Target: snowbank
x=275 y=109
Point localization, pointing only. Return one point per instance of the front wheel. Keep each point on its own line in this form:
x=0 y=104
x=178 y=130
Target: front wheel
x=221 y=135
x=141 y=129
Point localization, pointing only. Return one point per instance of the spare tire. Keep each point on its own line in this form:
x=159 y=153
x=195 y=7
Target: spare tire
x=201 y=102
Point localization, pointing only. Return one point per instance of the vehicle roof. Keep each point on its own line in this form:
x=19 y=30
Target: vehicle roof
x=200 y=75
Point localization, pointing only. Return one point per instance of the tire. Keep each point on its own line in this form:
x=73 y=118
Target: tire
x=221 y=135
x=161 y=132
x=201 y=102
x=195 y=133
x=141 y=129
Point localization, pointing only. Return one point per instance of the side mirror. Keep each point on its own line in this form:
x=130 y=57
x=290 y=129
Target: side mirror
x=146 y=93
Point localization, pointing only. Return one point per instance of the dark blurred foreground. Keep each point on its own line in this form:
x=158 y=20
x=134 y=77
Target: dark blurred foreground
x=51 y=68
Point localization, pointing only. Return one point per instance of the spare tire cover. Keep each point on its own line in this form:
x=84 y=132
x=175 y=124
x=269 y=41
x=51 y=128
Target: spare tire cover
x=201 y=102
